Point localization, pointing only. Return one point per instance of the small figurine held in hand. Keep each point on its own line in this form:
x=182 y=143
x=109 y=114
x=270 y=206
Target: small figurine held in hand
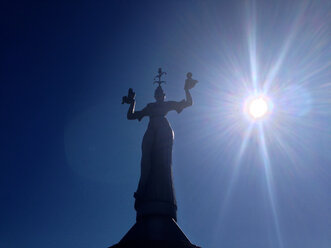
x=190 y=82
x=129 y=98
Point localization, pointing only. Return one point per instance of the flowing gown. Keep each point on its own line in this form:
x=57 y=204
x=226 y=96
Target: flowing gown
x=155 y=193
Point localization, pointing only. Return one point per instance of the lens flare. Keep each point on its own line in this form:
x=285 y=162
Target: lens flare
x=258 y=108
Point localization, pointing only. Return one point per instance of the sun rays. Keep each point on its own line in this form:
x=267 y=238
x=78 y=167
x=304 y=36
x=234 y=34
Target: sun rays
x=269 y=91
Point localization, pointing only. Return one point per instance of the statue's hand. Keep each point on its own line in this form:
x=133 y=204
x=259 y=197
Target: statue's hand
x=131 y=94
x=190 y=82
x=129 y=98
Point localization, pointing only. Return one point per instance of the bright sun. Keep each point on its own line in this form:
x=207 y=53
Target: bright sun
x=257 y=107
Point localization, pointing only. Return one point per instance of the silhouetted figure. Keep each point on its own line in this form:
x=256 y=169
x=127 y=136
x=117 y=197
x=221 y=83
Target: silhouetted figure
x=155 y=193
x=155 y=203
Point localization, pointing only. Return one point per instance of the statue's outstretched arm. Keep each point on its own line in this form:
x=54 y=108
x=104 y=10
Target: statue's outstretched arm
x=189 y=100
x=189 y=84
x=134 y=115
x=179 y=106
x=130 y=99
x=131 y=114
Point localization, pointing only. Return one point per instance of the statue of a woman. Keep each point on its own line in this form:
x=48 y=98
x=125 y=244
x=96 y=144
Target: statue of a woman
x=155 y=193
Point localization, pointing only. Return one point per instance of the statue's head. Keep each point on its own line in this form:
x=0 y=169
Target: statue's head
x=159 y=94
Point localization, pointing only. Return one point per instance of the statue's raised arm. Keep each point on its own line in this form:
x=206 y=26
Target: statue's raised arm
x=179 y=106
x=130 y=99
x=189 y=84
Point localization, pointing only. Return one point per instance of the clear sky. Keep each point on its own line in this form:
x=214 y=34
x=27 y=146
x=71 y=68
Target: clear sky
x=70 y=161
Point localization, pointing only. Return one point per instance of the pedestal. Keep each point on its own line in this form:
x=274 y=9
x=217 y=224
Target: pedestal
x=155 y=232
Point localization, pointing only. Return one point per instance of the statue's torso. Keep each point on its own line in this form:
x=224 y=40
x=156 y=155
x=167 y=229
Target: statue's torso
x=155 y=191
x=157 y=115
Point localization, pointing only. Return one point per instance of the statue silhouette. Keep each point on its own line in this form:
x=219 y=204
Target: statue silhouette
x=155 y=193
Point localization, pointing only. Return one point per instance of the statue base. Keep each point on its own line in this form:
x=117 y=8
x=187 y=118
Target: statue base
x=155 y=231
x=155 y=244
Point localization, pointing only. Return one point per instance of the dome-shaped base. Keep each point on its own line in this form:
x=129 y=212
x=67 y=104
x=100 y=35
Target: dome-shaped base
x=154 y=244
x=155 y=232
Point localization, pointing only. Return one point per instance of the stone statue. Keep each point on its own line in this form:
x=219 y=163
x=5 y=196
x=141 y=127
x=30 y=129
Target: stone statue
x=155 y=193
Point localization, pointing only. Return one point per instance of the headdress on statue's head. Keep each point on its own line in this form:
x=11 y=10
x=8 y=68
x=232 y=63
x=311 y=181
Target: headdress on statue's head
x=158 y=77
x=157 y=80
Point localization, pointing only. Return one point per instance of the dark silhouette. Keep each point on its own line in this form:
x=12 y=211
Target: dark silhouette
x=155 y=199
x=155 y=193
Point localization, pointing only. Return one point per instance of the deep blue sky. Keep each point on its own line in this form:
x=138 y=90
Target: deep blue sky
x=70 y=159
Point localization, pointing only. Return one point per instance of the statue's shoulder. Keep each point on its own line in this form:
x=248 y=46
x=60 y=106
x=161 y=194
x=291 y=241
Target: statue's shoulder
x=174 y=105
x=148 y=107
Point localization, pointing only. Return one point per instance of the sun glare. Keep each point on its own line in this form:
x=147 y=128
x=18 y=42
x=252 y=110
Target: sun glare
x=257 y=107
